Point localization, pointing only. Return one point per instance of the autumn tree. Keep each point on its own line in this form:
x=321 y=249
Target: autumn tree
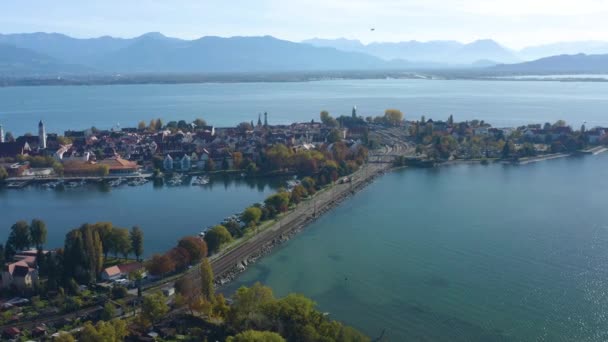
x=207 y=289
x=393 y=116
x=180 y=257
x=186 y=289
x=141 y=126
x=251 y=216
x=210 y=165
x=237 y=160
x=137 y=241
x=38 y=233
x=216 y=237
x=197 y=248
x=160 y=265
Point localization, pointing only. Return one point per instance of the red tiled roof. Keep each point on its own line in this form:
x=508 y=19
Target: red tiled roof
x=130 y=267
x=112 y=271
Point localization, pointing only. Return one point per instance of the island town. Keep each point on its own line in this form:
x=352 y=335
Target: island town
x=99 y=281
x=180 y=147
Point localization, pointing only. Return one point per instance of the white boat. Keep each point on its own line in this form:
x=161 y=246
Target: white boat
x=201 y=180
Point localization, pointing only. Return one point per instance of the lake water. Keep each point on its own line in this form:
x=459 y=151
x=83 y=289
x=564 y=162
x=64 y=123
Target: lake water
x=463 y=253
x=501 y=103
x=165 y=213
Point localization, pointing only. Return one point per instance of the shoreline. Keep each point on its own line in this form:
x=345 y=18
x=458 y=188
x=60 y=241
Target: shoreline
x=230 y=264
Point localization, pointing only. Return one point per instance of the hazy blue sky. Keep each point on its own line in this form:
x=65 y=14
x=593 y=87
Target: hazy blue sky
x=515 y=23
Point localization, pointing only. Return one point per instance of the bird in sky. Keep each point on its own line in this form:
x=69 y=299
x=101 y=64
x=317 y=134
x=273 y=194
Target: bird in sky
x=372 y=29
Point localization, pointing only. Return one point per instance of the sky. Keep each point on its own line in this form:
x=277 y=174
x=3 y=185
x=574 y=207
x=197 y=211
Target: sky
x=514 y=23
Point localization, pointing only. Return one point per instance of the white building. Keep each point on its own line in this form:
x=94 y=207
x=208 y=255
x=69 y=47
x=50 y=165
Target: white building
x=168 y=163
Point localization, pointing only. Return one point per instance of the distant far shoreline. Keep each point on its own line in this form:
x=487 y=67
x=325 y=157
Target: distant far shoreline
x=286 y=77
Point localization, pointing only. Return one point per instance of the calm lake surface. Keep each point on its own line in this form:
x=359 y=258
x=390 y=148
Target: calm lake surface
x=502 y=103
x=463 y=253
x=165 y=213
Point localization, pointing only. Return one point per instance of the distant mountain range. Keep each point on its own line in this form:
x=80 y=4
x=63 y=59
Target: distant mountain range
x=155 y=53
x=440 y=52
x=562 y=64
x=53 y=54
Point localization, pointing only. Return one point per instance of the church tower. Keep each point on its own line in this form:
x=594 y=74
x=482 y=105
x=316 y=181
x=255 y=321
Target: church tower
x=41 y=135
x=265 y=119
x=1 y=134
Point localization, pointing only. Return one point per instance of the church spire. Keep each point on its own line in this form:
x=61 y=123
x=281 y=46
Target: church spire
x=41 y=135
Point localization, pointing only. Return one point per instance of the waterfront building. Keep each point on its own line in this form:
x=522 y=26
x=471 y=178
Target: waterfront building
x=119 y=166
x=168 y=163
x=186 y=163
x=14 y=148
x=21 y=274
x=41 y=135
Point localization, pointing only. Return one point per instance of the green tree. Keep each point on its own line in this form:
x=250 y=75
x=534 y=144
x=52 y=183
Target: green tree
x=196 y=248
x=334 y=136
x=256 y=336
x=109 y=311
x=112 y=331
x=327 y=119
x=251 y=216
x=104 y=229
x=200 y=123
x=3 y=174
x=19 y=237
x=216 y=237
x=297 y=194
x=121 y=241
x=247 y=308
x=207 y=290
x=137 y=241
x=64 y=337
x=38 y=233
x=278 y=202
x=154 y=307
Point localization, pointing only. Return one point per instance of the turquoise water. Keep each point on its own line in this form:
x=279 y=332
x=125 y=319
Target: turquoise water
x=465 y=253
x=164 y=213
x=503 y=103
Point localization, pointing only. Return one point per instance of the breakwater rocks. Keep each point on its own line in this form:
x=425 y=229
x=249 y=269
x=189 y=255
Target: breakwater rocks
x=291 y=229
